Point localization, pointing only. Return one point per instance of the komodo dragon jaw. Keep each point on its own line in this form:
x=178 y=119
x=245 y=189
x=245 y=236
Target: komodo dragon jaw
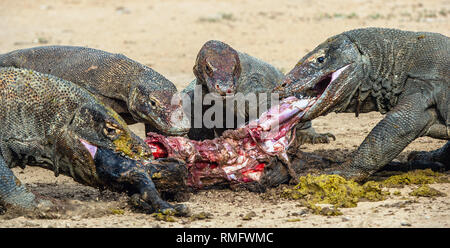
x=331 y=73
x=93 y=128
x=160 y=108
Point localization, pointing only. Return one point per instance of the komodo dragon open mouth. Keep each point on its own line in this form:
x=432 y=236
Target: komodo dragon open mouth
x=322 y=85
x=323 y=91
x=238 y=156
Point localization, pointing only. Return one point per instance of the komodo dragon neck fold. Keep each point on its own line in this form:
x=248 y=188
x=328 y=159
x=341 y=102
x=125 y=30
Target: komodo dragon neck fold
x=385 y=74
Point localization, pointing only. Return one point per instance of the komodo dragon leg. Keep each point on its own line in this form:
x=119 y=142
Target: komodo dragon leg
x=404 y=123
x=13 y=193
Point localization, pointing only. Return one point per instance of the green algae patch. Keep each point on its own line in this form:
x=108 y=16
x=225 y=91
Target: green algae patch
x=372 y=191
x=201 y=216
x=426 y=191
x=164 y=217
x=341 y=193
x=117 y=211
x=328 y=189
x=415 y=177
x=293 y=220
x=334 y=190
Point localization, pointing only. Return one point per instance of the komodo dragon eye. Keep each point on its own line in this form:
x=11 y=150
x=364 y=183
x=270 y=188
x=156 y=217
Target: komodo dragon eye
x=111 y=130
x=209 y=70
x=154 y=103
x=321 y=59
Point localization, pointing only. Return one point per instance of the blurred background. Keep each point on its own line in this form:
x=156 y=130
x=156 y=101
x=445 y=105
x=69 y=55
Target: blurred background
x=166 y=35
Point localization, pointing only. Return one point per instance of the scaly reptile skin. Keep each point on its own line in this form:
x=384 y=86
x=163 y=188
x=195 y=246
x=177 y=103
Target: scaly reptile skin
x=222 y=70
x=135 y=91
x=52 y=123
x=402 y=74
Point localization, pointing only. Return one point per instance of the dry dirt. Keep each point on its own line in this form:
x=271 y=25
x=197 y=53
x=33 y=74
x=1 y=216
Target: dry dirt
x=167 y=35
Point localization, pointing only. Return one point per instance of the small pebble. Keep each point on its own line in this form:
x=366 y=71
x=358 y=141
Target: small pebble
x=345 y=218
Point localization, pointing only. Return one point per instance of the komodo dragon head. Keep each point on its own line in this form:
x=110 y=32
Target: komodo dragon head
x=53 y=123
x=96 y=127
x=331 y=73
x=100 y=150
x=218 y=67
x=154 y=100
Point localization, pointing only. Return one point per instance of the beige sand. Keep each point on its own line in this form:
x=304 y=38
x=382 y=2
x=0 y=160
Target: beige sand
x=167 y=35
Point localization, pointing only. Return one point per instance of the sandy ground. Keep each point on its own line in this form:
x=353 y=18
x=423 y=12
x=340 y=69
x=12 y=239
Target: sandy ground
x=167 y=35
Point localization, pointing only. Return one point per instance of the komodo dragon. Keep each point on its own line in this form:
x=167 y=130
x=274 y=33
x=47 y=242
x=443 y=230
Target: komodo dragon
x=52 y=123
x=402 y=74
x=135 y=91
x=222 y=70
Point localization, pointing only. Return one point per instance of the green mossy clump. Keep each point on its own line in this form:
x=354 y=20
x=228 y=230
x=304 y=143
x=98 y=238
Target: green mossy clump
x=164 y=217
x=334 y=190
x=372 y=191
x=201 y=216
x=426 y=191
x=341 y=193
x=414 y=177
x=328 y=189
x=117 y=211
x=397 y=193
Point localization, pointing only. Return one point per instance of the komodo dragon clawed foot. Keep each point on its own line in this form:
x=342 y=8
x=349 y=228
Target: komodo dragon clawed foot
x=305 y=133
x=302 y=163
x=16 y=197
x=349 y=174
x=310 y=136
x=138 y=202
x=439 y=156
x=360 y=176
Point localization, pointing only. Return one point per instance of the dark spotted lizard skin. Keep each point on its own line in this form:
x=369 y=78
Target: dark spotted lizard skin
x=52 y=123
x=402 y=74
x=135 y=91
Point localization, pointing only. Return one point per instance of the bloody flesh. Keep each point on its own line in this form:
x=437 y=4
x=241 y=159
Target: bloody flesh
x=238 y=155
